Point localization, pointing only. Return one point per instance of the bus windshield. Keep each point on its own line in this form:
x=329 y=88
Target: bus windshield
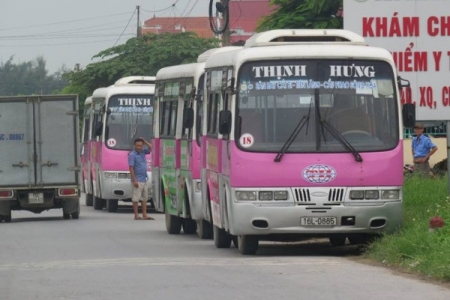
x=344 y=104
x=129 y=117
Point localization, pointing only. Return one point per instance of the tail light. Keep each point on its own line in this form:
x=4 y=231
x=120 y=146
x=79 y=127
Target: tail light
x=6 y=194
x=68 y=192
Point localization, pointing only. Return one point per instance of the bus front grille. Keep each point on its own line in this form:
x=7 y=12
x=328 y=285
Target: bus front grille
x=306 y=195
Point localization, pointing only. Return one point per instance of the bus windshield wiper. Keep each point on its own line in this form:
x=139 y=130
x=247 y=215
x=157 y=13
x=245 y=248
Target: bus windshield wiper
x=338 y=136
x=303 y=121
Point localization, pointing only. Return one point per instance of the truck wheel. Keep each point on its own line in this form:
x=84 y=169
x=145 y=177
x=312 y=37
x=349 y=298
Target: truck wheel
x=98 y=203
x=66 y=216
x=204 y=229
x=189 y=226
x=89 y=199
x=75 y=215
x=6 y=218
x=248 y=244
x=221 y=238
x=112 y=205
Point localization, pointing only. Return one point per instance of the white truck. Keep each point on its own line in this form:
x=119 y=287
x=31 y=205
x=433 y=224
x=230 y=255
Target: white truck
x=39 y=164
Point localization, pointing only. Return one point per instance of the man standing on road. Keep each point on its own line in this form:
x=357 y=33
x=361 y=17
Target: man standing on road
x=422 y=149
x=138 y=172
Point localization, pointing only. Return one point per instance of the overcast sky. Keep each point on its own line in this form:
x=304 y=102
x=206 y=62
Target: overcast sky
x=66 y=32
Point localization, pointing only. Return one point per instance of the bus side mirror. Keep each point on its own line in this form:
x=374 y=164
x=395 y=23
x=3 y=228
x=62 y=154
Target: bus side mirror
x=401 y=82
x=98 y=129
x=409 y=115
x=225 y=122
x=188 y=118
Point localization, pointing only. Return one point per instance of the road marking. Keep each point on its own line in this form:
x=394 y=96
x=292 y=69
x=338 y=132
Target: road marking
x=145 y=261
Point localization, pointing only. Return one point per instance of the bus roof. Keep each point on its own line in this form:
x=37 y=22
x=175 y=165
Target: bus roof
x=136 y=80
x=107 y=92
x=302 y=51
x=302 y=36
x=204 y=56
x=193 y=69
x=181 y=71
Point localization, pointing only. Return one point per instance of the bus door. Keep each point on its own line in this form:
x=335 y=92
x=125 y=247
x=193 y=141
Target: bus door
x=185 y=122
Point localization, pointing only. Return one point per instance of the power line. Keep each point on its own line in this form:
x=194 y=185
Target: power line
x=63 y=22
x=39 y=45
x=168 y=7
x=126 y=27
x=58 y=36
x=74 y=29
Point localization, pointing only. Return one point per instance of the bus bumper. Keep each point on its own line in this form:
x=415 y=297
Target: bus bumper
x=260 y=219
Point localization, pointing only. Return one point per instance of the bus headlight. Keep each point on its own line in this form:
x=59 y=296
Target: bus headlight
x=372 y=194
x=266 y=195
x=110 y=175
x=356 y=195
x=390 y=194
x=245 y=195
x=280 y=195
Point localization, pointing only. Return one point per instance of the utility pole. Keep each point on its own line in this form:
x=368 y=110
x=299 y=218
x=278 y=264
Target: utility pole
x=226 y=35
x=138 y=29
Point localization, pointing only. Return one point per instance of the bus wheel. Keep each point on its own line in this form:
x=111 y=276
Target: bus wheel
x=189 y=226
x=204 y=229
x=98 y=203
x=360 y=239
x=173 y=223
x=248 y=244
x=337 y=240
x=234 y=238
x=112 y=205
x=221 y=238
x=89 y=199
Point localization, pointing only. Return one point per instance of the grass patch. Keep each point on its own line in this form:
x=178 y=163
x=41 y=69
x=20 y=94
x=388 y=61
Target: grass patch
x=414 y=247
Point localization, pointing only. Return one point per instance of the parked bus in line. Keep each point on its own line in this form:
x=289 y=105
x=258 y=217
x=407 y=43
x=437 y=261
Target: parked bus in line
x=85 y=155
x=302 y=138
x=119 y=114
x=176 y=157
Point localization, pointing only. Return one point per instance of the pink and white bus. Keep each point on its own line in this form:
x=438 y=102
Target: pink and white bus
x=118 y=114
x=302 y=138
x=85 y=155
x=176 y=157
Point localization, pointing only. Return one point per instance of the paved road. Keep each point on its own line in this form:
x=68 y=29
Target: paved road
x=111 y=256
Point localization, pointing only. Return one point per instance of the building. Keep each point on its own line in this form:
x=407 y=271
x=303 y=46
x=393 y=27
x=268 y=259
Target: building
x=244 y=17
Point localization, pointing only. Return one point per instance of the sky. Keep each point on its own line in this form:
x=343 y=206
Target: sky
x=69 y=32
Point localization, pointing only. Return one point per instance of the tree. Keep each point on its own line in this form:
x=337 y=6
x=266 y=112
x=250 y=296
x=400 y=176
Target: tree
x=138 y=56
x=28 y=78
x=299 y=14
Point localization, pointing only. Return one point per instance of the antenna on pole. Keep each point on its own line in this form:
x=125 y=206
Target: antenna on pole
x=219 y=20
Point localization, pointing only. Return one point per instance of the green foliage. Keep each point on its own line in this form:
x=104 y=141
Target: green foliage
x=303 y=14
x=414 y=247
x=29 y=78
x=138 y=56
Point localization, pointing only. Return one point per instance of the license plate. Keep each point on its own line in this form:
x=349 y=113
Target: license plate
x=35 y=198
x=318 y=221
